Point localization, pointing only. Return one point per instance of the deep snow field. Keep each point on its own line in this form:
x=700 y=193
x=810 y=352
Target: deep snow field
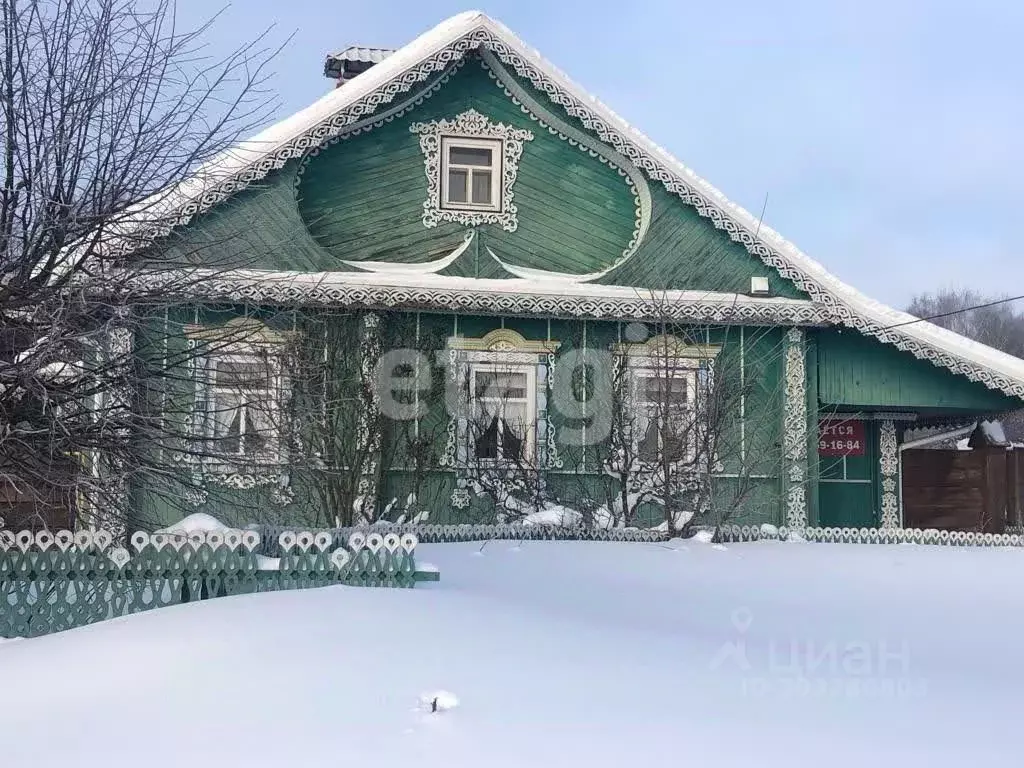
x=554 y=654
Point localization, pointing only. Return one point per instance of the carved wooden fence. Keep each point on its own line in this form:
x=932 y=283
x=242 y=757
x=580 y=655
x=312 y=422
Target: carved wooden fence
x=55 y=581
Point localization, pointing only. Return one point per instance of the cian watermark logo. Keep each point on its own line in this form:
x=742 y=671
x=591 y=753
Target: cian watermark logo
x=799 y=668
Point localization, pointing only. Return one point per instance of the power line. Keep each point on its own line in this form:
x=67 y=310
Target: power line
x=1007 y=300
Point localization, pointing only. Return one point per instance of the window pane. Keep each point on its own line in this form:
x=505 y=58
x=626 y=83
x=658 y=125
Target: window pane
x=516 y=419
x=457 y=182
x=675 y=443
x=469 y=156
x=258 y=430
x=482 y=187
x=647 y=449
x=485 y=385
x=667 y=387
x=511 y=445
x=486 y=446
x=500 y=386
x=227 y=424
x=233 y=374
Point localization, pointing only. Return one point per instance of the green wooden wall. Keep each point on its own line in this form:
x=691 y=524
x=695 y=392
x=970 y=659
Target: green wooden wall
x=362 y=197
x=683 y=251
x=747 y=486
x=856 y=371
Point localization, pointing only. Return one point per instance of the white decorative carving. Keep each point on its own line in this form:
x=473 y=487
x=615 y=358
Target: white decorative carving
x=889 y=465
x=553 y=460
x=195 y=496
x=381 y=117
x=340 y=558
x=795 y=429
x=460 y=498
x=470 y=124
x=740 y=533
x=287 y=288
x=119 y=557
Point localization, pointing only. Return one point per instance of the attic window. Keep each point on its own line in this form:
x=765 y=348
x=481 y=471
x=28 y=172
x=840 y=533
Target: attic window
x=471 y=173
x=471 y=164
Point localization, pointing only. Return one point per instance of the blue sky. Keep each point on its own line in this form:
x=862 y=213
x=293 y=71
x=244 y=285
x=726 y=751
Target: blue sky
x=888 y=137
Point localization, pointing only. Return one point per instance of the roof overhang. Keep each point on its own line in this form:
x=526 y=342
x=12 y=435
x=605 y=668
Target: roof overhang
x=439 y=293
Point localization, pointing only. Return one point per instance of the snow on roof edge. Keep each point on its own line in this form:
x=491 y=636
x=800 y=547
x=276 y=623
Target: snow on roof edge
x=252 y=152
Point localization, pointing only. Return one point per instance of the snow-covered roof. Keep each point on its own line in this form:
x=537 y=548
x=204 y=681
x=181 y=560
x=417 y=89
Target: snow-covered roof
x=435 y=50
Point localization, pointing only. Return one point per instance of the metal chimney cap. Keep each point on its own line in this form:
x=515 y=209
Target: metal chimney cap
x=348 y=63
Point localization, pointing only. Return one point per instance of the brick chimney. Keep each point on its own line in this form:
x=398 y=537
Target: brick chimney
x=354 y=60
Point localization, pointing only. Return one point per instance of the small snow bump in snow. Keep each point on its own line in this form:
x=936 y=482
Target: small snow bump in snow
x=515 y=548
x=438 y=701
x=704 y=537
x=478 y=553
x=720 y=547
x=677 y=545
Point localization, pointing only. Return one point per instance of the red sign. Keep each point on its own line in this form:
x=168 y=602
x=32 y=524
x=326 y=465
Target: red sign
x=840 y=438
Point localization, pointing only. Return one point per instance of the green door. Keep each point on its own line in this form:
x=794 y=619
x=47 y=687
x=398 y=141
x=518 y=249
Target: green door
x=846 y=492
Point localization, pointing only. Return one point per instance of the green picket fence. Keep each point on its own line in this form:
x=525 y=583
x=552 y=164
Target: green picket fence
x=50 y=582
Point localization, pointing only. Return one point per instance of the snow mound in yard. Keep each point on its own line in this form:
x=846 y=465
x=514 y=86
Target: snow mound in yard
x=571 y=653
x=197 y=521
x=554 y=514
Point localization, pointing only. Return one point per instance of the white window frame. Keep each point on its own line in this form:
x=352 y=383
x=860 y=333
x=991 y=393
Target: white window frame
x=653 y=368
x=495 y=169
x=272 y=453
x=530 y=439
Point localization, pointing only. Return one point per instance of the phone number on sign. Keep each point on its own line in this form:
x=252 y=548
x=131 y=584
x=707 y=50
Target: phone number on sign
x=843 y=446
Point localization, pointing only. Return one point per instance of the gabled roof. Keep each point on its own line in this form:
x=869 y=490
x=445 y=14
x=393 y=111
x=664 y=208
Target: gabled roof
x=435 y=50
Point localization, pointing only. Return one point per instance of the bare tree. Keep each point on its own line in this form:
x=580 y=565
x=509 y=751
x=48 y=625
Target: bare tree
x=362 y=382
x=106 y=108
x=974 y=315
x=683 y=441
x=501 y=445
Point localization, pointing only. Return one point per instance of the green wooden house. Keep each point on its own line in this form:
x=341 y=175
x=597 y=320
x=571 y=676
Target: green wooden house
x=463 y=199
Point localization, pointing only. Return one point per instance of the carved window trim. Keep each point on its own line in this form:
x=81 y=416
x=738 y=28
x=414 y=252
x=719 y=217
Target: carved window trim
x=270 y=407
x=506 y=349
x=240 y=339
x=529 y=402
x=464 y=129
x=652 y=358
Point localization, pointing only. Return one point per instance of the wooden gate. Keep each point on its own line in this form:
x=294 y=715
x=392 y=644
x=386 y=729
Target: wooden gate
x=977 y=490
